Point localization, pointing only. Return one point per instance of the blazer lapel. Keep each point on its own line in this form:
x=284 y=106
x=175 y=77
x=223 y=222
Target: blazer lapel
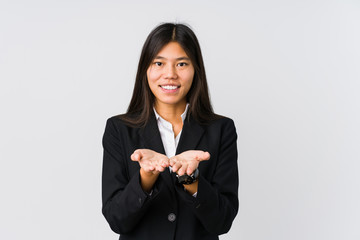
x=151 y=136
x=190 y=136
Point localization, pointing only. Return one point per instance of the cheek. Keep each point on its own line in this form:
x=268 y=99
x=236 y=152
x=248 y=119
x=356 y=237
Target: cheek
x=153 y=76
x=189 y=78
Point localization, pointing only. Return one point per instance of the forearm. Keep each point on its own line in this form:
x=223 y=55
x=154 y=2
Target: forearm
x=148 y=179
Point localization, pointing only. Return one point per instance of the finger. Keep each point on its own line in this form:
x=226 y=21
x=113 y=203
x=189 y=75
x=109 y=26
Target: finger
x=190 y=170
x=147 y=169
x=151 y=168
x=172 y=161
x=135 y=157
x=165 y=164
x=160 y=168
x=202 y=156
x=139 y=153
x=176 y=166
x=206 y=156
x=164 y=161
x=182 y=170
x=192 y=167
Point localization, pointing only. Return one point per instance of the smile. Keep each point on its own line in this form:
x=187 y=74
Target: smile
x=169 y=87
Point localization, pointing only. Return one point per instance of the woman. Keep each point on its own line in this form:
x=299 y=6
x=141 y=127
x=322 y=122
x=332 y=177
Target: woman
x=170 y=163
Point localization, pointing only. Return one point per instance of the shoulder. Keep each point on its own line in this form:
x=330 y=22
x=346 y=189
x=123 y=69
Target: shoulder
x=221 y=122
x=116 y=126
x=225 y=120
x=225 y=129
x=220 y=127
x=115 y=120
x=120 y=121
x=117 y=129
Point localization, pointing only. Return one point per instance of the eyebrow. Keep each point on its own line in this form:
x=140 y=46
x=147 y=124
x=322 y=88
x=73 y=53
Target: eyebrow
x=180 y=58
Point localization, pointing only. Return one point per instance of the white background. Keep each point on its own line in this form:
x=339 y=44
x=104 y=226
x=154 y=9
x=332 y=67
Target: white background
x=287 y=72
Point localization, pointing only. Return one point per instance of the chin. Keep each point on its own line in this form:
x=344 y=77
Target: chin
x=170 y=102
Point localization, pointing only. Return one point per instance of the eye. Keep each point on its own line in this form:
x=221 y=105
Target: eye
x=158 y=64
x=182 y=64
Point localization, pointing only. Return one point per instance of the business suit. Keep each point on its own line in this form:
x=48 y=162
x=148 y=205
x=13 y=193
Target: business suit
x=170 y=212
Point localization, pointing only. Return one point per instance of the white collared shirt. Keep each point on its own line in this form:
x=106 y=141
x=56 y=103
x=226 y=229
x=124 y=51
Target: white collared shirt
x=167 y=133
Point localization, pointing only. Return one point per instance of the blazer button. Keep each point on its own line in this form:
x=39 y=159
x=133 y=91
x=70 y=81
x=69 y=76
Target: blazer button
x=171 y=217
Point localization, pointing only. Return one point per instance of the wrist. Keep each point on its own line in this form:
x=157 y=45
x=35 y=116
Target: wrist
x=191 y=188
x=188 y=179
x=148 y=174
x=147 y=179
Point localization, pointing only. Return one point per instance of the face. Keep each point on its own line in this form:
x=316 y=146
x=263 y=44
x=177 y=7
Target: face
x=170 y=75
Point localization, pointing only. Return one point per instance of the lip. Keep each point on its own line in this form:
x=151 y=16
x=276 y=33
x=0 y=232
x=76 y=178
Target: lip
x=171 y=88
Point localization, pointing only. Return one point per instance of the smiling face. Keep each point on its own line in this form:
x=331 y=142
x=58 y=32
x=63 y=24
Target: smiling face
x=170 y=75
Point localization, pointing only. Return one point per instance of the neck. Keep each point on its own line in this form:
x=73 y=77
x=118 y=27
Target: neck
x=170 y=112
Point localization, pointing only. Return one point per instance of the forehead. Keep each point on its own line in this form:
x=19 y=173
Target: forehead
x=172 y=50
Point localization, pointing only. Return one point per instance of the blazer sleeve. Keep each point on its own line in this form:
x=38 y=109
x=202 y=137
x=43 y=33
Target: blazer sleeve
x=124 y=201
x=216 y=203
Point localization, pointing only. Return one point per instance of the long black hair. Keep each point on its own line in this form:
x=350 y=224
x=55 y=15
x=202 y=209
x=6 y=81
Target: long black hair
x=142 y=101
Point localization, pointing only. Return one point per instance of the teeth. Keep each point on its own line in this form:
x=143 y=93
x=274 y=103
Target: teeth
x=168 y=87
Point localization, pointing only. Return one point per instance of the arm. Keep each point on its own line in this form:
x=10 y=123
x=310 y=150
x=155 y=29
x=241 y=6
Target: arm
x=217 y=199
x=124 y=200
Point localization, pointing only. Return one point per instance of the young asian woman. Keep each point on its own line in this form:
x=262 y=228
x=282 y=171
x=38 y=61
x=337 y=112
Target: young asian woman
x=170 y=163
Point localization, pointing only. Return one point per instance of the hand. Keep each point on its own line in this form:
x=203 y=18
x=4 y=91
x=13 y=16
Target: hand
x=188 y=161
x=150 y=161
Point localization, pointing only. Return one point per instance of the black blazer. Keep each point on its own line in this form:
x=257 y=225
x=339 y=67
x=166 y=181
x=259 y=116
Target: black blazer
x=170 y=212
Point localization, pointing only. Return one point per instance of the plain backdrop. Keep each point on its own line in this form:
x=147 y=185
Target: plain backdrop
x=287 y=72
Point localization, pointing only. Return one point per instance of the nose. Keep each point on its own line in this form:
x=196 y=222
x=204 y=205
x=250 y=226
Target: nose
x=170 y=72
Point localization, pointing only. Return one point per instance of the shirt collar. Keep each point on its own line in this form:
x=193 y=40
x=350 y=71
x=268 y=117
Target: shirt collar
x=183 y=115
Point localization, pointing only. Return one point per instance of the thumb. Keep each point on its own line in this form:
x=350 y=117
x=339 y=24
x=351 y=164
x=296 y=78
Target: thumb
x=206 y=156
x=136 y=156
